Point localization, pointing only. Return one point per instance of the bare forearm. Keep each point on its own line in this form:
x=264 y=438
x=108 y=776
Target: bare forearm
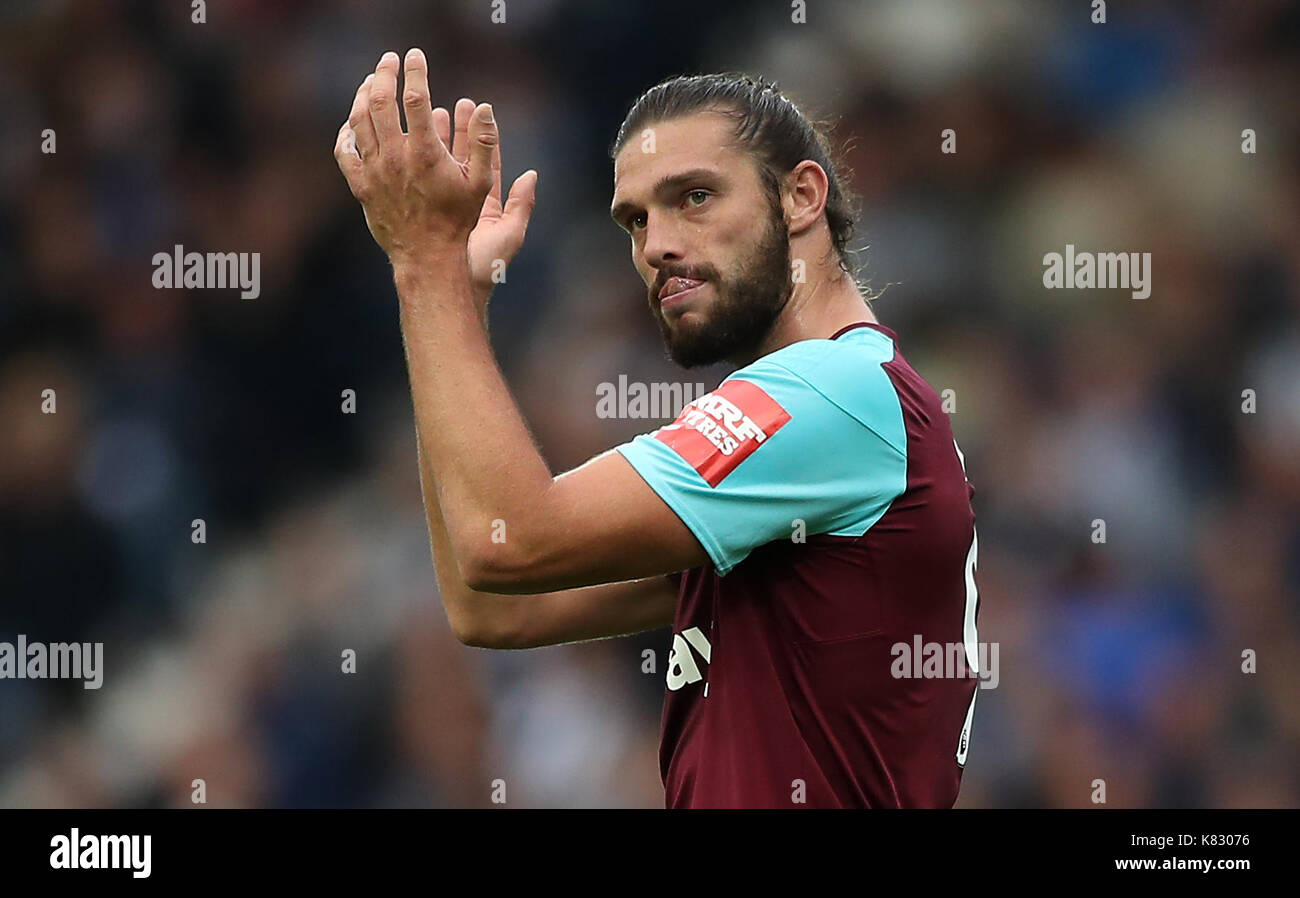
x=473 y=620
x=511 y=527
x=490 y=620
x=498 y=520
x=490 y=476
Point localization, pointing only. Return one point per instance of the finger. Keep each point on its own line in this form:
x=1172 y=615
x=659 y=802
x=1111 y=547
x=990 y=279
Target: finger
x=359 y=118
x=442 y=125
x=415 y=97
x=522 y=199
x=460 y=143
x=383 y=101
x=482 y=142
x=495 y=192
x=345 y=153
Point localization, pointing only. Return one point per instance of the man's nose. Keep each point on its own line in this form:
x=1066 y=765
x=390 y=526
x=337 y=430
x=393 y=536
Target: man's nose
x=663 y=242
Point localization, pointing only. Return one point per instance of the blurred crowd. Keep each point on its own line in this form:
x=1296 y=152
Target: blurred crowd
x=1174 y=420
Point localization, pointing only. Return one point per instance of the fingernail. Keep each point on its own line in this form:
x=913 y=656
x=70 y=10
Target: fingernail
x=487 y=117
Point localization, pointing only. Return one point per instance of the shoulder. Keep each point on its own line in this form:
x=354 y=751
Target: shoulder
x=847 y=373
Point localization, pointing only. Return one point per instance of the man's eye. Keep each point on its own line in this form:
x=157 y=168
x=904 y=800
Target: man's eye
x=697 y=197
x=636 y=221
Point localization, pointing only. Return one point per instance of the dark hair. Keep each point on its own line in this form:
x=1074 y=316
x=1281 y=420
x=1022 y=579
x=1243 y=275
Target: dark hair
x=767 y=124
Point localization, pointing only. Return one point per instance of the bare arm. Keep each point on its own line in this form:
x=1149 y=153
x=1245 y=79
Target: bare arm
x=496 y=621
x=496 y=515
x=493 y=620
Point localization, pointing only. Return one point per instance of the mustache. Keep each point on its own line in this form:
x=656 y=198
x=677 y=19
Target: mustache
x=703 y=272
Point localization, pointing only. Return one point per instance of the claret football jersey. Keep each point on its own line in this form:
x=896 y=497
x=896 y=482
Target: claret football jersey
x=825 y=485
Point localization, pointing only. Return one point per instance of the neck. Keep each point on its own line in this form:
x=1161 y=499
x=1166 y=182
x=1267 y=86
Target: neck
x=827 y=302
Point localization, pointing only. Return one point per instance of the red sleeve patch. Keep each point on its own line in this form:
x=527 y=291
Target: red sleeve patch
x=718 y=431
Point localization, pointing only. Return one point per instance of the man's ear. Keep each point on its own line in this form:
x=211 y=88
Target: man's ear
x=804 y=195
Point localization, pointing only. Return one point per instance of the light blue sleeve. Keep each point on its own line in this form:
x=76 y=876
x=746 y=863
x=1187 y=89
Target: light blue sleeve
x=836 y=465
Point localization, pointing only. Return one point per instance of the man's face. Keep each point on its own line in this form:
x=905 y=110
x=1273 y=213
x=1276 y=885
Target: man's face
x=706 y=238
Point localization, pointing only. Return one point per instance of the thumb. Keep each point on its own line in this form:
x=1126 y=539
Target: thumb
x=522 y=199
x=482 y=141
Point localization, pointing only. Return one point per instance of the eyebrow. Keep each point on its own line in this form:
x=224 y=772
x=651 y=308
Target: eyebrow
x=666 y=184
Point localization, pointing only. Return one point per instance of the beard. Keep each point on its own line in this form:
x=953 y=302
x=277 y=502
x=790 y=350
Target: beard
x=746 y=307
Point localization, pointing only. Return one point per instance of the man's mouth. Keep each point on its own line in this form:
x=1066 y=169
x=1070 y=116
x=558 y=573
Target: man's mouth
x=676 y=289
